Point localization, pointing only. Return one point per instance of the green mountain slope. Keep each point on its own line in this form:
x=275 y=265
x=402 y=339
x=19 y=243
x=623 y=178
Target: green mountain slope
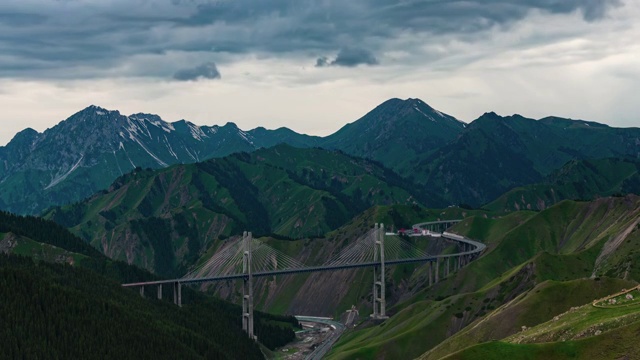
x=164 y=220
x=467 y=164
x=608 y=332
x=332 y=293
x=538 y=305
x=395 y=133
x=495 y=154
x=88 y=151
x=578 y=179
x=568 y=241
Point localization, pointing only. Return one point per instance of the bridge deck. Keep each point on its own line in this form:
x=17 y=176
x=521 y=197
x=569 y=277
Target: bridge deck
x=479 y=247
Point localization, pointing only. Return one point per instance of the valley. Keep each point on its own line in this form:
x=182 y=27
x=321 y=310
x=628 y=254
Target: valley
x=499 y=234
x=307 y=180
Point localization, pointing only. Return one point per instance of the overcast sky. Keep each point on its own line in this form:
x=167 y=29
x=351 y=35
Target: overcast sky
x=314 y=66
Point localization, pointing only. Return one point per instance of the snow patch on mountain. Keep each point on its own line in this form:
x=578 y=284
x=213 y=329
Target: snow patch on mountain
x=196 y=131
x=143 y=124
x=117 y=163
x=194 y=157
x=133 y=129
x=427 y=116
x=439 y=113
x=160 y=162
x=245 y=136
x=167 y=127
x=166 y=141
x=58 y=179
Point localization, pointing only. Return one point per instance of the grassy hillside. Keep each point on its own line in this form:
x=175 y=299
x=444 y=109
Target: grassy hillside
x=164 y=220
x=495 y=154
x=332 y=293
x=543 y=302
x=568 y=241
x=585 y=180
x=607 y=332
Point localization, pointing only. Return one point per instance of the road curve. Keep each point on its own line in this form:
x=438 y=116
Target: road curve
x=479 y=247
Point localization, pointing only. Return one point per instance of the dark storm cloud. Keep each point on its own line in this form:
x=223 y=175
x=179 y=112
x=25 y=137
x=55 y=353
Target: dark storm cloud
x=50 y=38
x=349 y=57
x=204 y=71
x=322 y=61
x=21 y=19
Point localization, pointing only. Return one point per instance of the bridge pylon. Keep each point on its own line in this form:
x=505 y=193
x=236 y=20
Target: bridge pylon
x=247 y=287
x=379 y=298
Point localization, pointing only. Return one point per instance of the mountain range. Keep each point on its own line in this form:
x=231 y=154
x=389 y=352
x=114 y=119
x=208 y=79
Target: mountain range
x=166 y=196
x=466 y=163
x=89 y=150
x=164 y=220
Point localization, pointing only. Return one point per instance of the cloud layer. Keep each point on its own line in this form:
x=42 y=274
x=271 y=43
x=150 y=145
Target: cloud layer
x=315 y=65
x=90 y=38
x=349 y=57
x=204 y=71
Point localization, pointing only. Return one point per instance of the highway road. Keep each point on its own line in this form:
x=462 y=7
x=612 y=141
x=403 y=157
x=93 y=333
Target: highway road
x=325 y=347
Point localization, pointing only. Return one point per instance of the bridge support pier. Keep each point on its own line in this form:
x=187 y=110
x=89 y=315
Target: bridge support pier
x=247 y=287
x=446 y=272
x=160 y=292
x=142 y=291
x=177 y=293
x=437 y=270
x=430 y=273
x=379 y=298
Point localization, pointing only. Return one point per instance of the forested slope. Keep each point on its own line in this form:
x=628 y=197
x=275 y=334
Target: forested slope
x=73 y=306
x=53 y=311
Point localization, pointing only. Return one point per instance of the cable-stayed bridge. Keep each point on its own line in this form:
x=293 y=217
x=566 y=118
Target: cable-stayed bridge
x=247 y=258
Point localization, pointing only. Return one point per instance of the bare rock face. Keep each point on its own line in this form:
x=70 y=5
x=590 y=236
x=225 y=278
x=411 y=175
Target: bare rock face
x=8 y=243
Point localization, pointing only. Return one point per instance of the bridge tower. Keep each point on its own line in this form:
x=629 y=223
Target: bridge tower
x=247 y=287
x=379 y=301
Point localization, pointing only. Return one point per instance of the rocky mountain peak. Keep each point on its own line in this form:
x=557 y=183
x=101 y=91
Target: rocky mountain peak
x=398 y=111
x=91 y=117
x=230 y=125
x=26 y=135
x=97 y=110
